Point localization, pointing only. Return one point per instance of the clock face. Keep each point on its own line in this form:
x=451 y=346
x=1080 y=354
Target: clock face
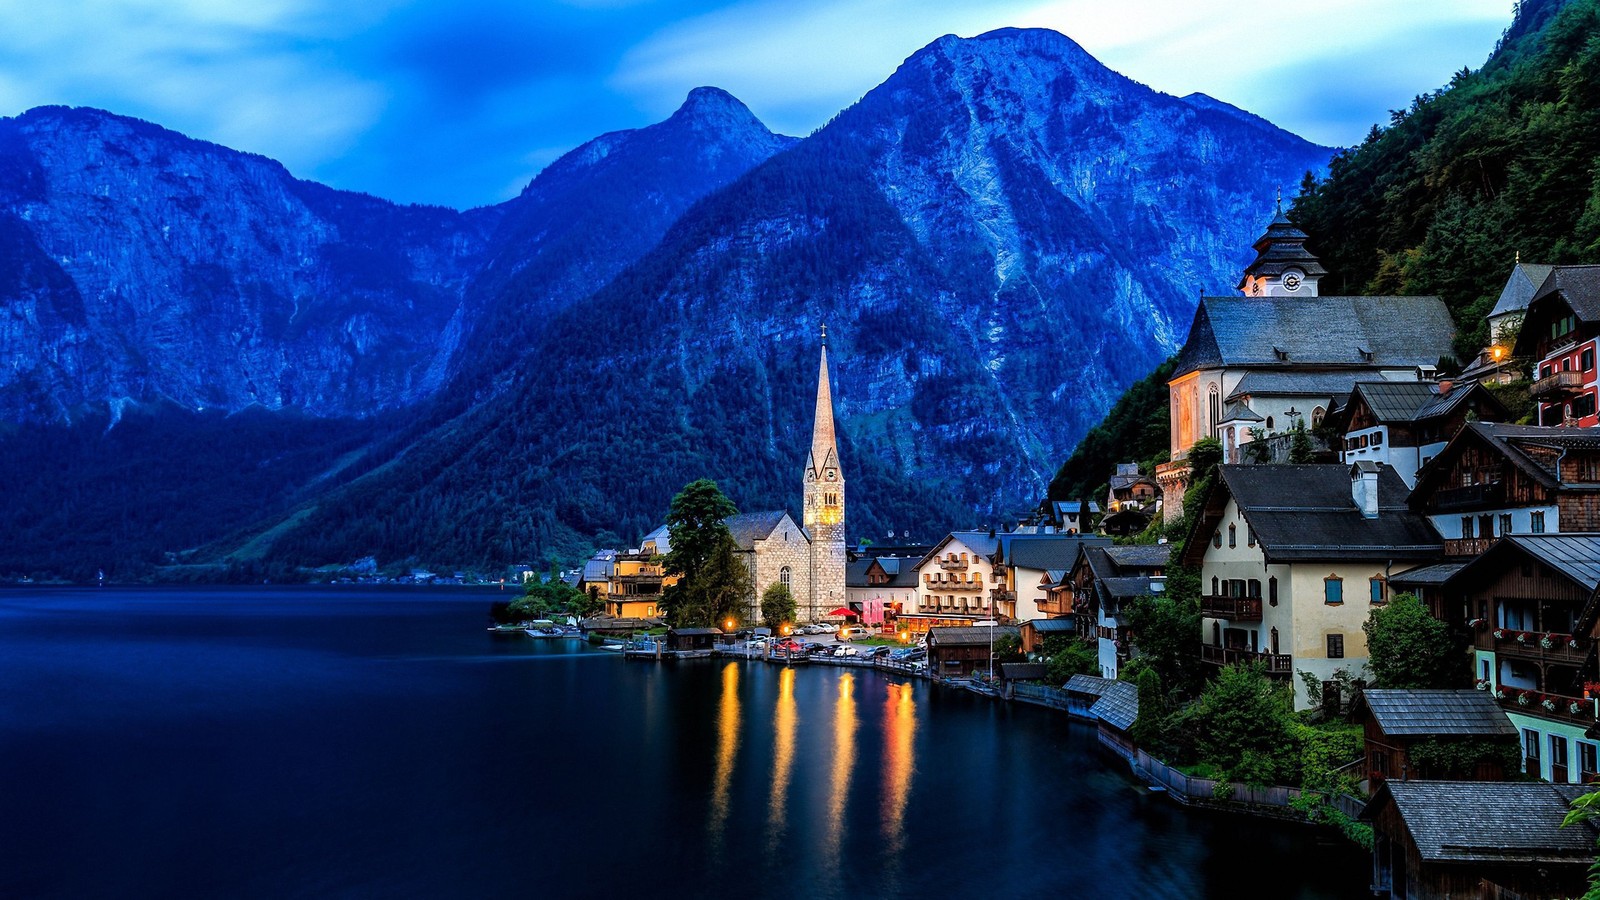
x=1291 y=281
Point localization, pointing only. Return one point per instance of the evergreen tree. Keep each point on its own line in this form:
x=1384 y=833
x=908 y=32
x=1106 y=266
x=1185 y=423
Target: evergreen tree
x=777 y=606
x=1301 y=450
x=696 y=532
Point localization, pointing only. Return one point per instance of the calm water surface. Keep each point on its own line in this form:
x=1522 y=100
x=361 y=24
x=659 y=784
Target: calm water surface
x=319 y=742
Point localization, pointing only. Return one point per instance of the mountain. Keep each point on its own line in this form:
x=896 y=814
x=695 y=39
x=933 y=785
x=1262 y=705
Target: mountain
x=151 y=285
x=1498 y=163
x=137 y=264
x=1001 y=237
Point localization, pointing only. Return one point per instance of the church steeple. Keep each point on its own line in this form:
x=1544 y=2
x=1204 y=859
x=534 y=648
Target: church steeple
x=824 y=446
x=1283 y=266
x=824 y=501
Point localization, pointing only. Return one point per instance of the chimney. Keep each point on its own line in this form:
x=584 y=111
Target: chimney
x=1364 y=487
x=1445 y=386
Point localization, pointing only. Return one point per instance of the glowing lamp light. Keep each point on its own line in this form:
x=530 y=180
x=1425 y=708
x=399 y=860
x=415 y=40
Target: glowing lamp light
x=728 y=626
x=1497 y=353
x=786 y=629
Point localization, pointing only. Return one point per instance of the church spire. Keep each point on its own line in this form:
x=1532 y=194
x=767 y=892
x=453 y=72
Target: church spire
x=824 y=446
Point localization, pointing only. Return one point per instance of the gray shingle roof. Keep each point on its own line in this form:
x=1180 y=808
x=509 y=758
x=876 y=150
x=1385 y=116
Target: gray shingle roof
x=1047 y=551
x=1436 y=574
x=747 y=528
x=1053 y=626
x=1416 y=401
x=964 y=635
x=1023 y=671
x=1092 y=685
x=1237 y=411
x=1118 y=705
x=1578 y=285
x=1525 y=281
x=1126 y=588
x=1489 y=821
x=1576 y=556
x=1436 y=713
x=1337 y=331
x=1140 y=556
x=1333 y=385
x=1305 y=512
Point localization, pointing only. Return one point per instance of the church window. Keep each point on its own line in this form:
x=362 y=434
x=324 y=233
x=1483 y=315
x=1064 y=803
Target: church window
x=783 y=576
x=1216 y=410
x=1317 y=416
x=1233 y=536
x=1269 y=423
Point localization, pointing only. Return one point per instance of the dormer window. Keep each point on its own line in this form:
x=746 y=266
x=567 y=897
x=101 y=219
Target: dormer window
x=1281 y=354
x=1366 y=355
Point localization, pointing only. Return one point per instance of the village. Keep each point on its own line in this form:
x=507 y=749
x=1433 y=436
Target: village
x=1322 y=467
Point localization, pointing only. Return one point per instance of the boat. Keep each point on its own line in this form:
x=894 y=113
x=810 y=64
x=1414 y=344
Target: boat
x=554 y=631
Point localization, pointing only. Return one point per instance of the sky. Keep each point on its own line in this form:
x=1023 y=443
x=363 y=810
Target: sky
x=461 y=102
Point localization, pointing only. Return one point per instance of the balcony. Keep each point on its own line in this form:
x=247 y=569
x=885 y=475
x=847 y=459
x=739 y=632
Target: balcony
x=1276 y=663
x=950 y=563
x=1466 y=546
x=1557 y=386
x=937 y=585
x=1055 y=607
x=1240 y=609
x=1560 y=708
x=641 y=578
x=1000 y=595
x=1564 y=649
x=1470 y=497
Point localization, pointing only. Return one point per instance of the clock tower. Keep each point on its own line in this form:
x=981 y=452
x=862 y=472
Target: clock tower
x=824 y=504
x=1283 y=266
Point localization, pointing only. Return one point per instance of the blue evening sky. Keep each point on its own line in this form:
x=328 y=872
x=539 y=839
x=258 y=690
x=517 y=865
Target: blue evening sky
x=461 y=102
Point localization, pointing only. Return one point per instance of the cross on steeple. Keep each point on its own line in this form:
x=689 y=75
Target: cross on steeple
x=824 y=334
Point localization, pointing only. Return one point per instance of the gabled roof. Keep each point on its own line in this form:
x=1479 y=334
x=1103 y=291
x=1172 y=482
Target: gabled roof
x=983 y=543
x=1237 y=411
x=1140 y=556
x=1436 y=574
x=599 y=568
x=1280 y=332
x=1118 y=705
x=1333 y=385
x=1501 y=822
x=662 y=538
x=1045 y=551
x=1022 y=671
x=1525 y=281
x=1093 y=685
x=1510 y=442
x=1436 y=713
x=1053 y=626
x=1567 y=287
x=747 y=528
x=1417 y=401
x=1281 y=247
x=967 y=635
x=1574 y=556
x=1306 y=512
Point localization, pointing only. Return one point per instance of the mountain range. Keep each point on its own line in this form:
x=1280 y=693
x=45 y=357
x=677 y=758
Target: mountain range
x=1000 y=237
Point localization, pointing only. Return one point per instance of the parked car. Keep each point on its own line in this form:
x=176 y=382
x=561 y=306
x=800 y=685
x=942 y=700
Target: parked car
x=846 y=651
x=879 y=652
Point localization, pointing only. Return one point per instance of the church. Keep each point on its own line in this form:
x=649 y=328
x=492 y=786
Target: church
x=809 y=556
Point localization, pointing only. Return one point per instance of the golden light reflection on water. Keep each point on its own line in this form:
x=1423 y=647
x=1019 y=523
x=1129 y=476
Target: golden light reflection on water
x=727 y=749
x=784 y=719
x=844 y=760
x=899 y=736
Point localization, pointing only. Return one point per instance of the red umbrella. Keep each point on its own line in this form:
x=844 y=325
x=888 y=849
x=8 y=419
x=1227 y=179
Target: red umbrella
x=841 y=611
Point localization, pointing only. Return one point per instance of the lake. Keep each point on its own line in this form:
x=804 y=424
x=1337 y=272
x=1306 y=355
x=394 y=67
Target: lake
x=313 y=742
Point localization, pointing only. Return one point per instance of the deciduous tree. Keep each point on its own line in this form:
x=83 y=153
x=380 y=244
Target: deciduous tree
x=1408 y=648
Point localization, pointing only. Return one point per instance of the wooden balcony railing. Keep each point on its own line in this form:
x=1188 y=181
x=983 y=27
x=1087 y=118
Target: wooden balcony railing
x=1241 y=609
x=1276 y=663
x=952 y=563
x=1557 y=384
x=1467 y=546
x=1000 y=595
x=1547 y=706
x=1470 y=497
x=1563 y=648
x=1055 y=607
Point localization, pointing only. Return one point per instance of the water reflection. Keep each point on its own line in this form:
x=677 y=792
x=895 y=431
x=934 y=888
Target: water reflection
x=727 y=750
x=844 y=760
x=899 y=736
x=784 y=718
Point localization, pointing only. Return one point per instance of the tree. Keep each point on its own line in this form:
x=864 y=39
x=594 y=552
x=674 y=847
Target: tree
x=1008 y=648
x=1408 y=648
x=1243 y=723
x=777 y=606
x=1166 y=630
x=1586 y=810
x=1066 y=655
x=719 y=592
x=1301 y=450
x=696 y=531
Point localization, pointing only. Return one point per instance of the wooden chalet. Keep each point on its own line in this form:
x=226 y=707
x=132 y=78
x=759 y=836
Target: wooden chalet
x=1466 y=840
x=1559 y=330
x=1106 y=581
x=1404 y=424
x=1394 y=721
x=959 y=652
x=1493 y=480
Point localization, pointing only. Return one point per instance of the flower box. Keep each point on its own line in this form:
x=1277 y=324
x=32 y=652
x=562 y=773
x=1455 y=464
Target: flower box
x=1499 y=634
x=1524 y=699
x=1483 y=685
x=1548 y=704
x=1575 y=707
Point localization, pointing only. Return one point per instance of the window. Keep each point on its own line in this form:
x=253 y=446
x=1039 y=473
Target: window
x=783 y=576
x=1214 y=590
x=1486 y=526
x=1589 y=468
x=1216 y=410
x=1505 y=523
x=1558 y=758
x=1377 y=439
x=1250 y=533
x=1269 y=423
x=1333 y=589
x=1233 y=535
x=1336 y=646
x=1530 y=752
x=1537 y=523
x=1587 y=761
x=1272 y=590
x=1376 y=585
x=1583 y=406
x=1255 y=588
x=1274 y=636
x=1466 y=527
x=1587 y=363
x=1546 y=371
x=1216 y=539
